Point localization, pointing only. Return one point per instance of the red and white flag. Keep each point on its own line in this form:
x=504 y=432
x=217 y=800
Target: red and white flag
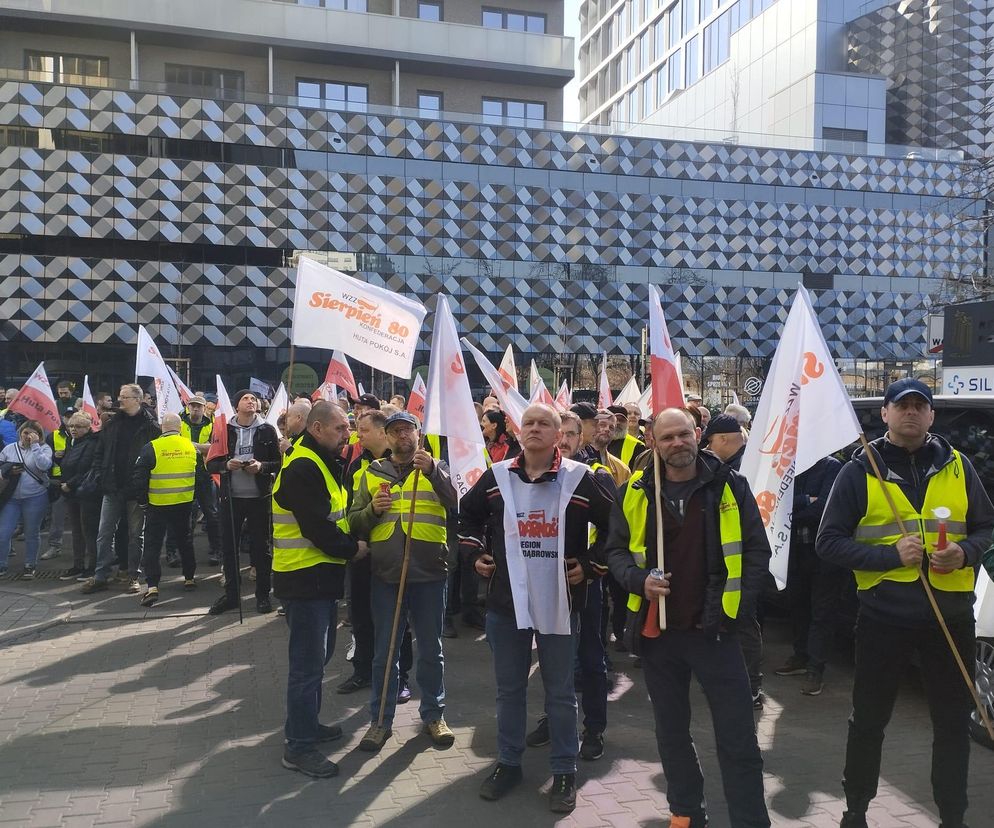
x=340 y=374
x=629 y=394
x=564 y=399
x=449 y=407
x=184 y=392
x=667 y=389
x=149 y=363
x=604 y=398
x=416 y=401
x=537 y=389
x=511 y=402
x=508 y=372
x=90 y=407
x=804 y=414
x=327 y=391
x=36 y=402
x=222 y=414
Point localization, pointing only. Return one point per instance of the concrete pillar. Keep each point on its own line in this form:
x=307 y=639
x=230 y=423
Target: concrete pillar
x=272 y=74
x=134 y=57
x=396 y=83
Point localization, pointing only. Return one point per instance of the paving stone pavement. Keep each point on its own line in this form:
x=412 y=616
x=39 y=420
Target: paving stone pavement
x=168 y=717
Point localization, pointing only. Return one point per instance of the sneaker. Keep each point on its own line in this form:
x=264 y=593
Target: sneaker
x=3 y=572
x=501 y=779
x=85 y=576
x=252 y=575
x=173 y=561
x=189 y=583
x=403 y=693
x=539 y=737
x=440 y=734
x=150 y=597
x=562 y=797
x=853 y=819
x=353 y=683
x=328 y=733
x=375 y=738
x=263 y=606
x=71 y=574
x=213 y=559
x=281 y=611
x=93 y=585
x=758 y=699
x=592 y=745
x=50 y=554
x=223 y=604
x=814 y=683
x=311 y=763
x=222 y=581
x=449 y=628
x=794 y=666
x=134 y=586
x=28 y=573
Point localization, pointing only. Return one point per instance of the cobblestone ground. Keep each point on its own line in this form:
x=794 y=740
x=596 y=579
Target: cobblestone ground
x=114 y=715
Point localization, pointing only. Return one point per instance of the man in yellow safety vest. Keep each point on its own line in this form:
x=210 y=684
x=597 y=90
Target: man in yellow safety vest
x=859 y=531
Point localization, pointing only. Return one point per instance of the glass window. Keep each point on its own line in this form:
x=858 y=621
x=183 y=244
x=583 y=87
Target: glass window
x=662 y=89
x=517 y=113
x=493 y=19
x=741 y=14
x=349 y=96
x=693 y=60
x=676 y=71
x=689 y=15
x=660 y=38
x=428 y=10
x=717 y=40
x=645 y=51
x=707 y=6
x=649 y=96
x=429 y=102
x=676 y=26
x=516 y=21
x=344 y=5
x=221 y=82
x=54 y=67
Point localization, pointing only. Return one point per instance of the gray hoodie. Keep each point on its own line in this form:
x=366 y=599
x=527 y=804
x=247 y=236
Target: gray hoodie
x=242 y=483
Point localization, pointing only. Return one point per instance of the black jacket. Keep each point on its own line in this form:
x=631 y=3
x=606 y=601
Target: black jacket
x=265 y=449
x=108 y=447
x=811 y=491
x=711 y=477
x=481 y=529
x=303 y=491
x=77 y=463
x=902 y=604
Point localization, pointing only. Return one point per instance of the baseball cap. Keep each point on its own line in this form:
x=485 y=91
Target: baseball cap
x=722 y=424
x=901 y=388
x=196 y=400
x=401 y=417
x=368 y=400
x=618 y=409
x=585 y=410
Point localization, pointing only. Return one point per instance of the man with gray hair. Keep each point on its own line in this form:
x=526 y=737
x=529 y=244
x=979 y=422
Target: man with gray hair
x=164 y=480
x=296 y=421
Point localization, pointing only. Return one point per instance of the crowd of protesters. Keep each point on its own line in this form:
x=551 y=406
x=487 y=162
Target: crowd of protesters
x=342 y=497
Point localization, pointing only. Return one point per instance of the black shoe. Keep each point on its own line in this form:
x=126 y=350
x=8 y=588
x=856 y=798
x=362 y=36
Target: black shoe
x=213 y=559
x=329 y=733
x=619 y=646
x=562 y=797
x=223 y=604
x=263 y=605
x=71 y=574
x=403 y=693
x=353 y=683
x=501 y=779
x=281 y=611
x=448 y=628
x=853 y=819
x=173 y=561
x=539 y=737
x=795 y=665
x=311 y=763
x=757 y=700
x=591 y=746
x=474 y=620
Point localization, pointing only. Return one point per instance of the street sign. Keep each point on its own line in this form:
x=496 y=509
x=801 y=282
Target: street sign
x=934 y=331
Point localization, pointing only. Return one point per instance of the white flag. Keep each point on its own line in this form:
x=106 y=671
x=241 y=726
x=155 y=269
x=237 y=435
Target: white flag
x=278 y=407
x=416 y=400
x=372 y=324
x=735 y=398
x=564 y=399
x=149 y=363
x=604 y=391
x=223 y=401
x=449 y=407
x=511 y=402
x=36 y=402
x=537 y=389
x=184 y=392
x=645 y=402
x=629 y=394
x=507 y=370
x=90 y=407
x=804 y=414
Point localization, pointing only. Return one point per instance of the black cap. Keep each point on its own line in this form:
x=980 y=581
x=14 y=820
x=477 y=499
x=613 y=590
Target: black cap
x=402 y=417
x=368 y=400
x=584 y=410
x=902 y=387
x=245 y=392
x=722 y=424
x=618 y=409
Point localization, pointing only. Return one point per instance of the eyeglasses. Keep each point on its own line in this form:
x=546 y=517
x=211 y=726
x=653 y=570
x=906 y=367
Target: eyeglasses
x=128 y=397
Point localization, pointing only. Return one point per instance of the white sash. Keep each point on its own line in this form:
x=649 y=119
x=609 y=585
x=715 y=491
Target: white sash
x=537 y=570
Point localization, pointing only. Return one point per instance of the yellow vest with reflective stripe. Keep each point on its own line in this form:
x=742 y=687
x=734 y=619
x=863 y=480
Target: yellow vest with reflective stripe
x=206 y=429
x=429 y=513
x=878 y=528
x=174 y=474
x=628 y=448
x=636 y=509
x=434 y=445
x=592 y=530
x=291 y=550
x=59 y=444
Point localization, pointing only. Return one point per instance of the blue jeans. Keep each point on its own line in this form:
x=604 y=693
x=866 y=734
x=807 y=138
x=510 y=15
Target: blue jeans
x=512 y=652
x=113 y=509
x=30 y=510
x=312 y=626
x=424 y=608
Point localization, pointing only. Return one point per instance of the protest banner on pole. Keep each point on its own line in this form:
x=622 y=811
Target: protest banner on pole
x=262 y=389
x=604 y=398
x=89 y=406
x=629 y=394
x=564 y=399
x=339 y=373
x=537 y=389
x=36 y=401
x=667 y=387
x=511 y=402
x=416 y=400
x=184 y=392
x=149 y=363
x=508 y=371
x=278 y=407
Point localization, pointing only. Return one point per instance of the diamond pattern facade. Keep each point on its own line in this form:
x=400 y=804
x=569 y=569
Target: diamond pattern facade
x=583 y=222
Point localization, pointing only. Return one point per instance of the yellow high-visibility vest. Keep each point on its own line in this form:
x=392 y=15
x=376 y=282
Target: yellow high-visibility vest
x=206 y=430
x=636 y=509
x=878 y=527
x=291 y=550
x=429 y=513
x=174 y=474
x=628 y=448
x=59 y=443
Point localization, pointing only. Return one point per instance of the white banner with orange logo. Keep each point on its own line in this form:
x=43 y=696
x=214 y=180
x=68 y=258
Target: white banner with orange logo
x=804 y=414
x=371 y=324
x=149 y=363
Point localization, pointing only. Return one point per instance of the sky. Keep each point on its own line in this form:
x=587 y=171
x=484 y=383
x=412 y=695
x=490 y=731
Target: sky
x=571 y=95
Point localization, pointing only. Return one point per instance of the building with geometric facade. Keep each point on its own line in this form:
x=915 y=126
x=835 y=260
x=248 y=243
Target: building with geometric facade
x=136 y=202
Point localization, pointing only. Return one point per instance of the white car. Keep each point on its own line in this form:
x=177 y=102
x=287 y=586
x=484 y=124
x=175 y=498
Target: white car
x=985 y=655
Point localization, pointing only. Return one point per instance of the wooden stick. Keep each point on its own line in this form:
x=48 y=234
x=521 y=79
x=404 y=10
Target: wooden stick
x=928 y=592
x=289 y=375
x=656 y=476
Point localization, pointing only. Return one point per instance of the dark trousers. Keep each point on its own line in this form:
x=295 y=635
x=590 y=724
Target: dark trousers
x=882 y=654
x=205 y=496
x=122 y=539
x=464 y=584
x=84 y=518
x=312 y=626
x=360 y=572
x=615 y=612
x=593 y=668
x=668 y=663
x=176 y=520
x=750 y=635
x=813 y=590
x=255 y=515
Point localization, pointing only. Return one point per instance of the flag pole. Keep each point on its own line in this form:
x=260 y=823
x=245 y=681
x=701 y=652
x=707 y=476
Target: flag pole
x=234 y=546
x=289 y=374
x=928 y=592
x=400 y=593
x=656 y=476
